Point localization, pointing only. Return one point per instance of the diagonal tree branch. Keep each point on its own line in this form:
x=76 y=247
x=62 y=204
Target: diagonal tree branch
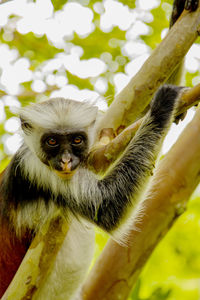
x=134 y=98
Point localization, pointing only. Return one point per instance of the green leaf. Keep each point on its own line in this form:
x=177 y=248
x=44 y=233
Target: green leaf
x=99 y=42
x=130 y=3
x=36 y=49
x=58 y=4
x=79 y=82
x=157 y=25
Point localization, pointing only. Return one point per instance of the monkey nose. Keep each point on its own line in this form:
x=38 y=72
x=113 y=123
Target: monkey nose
x=66 y=163
x=66 y=159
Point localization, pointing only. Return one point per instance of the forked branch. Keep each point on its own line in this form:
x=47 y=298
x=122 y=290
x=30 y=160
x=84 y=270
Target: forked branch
x=105 y=154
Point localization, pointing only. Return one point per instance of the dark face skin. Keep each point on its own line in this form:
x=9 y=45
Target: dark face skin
x=64 y=151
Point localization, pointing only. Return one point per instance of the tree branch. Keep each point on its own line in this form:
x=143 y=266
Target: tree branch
x=104 y=154
x=134 y=98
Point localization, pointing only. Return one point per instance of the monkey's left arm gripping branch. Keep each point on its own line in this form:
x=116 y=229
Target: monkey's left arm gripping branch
x=106 y=151
x=122 y=186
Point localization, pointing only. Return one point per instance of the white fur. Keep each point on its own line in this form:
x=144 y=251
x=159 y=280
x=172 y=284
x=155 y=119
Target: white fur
x=71 y=263
x=32 y=216
x=74 y=257
x=39 y=173
x=60 y=113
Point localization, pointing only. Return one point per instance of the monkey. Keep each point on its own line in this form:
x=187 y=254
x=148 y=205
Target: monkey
x=50 y=171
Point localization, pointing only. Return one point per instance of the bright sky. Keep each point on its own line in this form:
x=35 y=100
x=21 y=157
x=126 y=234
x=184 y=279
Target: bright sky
x=39 y=18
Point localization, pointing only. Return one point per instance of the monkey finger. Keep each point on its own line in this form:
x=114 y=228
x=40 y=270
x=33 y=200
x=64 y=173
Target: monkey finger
x=180 y=117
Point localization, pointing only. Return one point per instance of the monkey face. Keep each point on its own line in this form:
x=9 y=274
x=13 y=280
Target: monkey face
x=64 y=151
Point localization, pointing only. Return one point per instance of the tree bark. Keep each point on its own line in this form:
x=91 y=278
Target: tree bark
x=134 y=98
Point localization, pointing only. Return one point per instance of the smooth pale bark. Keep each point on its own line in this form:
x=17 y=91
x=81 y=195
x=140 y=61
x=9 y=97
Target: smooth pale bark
x=118 y=267
x=190 y=98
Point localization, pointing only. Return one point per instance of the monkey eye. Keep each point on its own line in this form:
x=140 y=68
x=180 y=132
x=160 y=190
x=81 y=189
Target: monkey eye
x=52 y=142
x=77 y=140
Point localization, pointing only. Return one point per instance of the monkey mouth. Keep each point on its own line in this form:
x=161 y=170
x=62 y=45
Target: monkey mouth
x=65 y=171
x=65 y=174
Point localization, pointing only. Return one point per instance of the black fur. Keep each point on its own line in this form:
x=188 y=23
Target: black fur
x=18 y=190
x=163 y=103
x=64 y=143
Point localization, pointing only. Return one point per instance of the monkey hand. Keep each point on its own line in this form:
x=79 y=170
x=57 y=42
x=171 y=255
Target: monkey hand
x=165 y=102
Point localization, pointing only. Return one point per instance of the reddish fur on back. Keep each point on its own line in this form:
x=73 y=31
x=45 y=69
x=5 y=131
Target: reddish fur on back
x=12 y=251
x=11 y=255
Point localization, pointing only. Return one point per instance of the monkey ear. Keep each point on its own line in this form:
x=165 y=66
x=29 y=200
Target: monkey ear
x=25 y=125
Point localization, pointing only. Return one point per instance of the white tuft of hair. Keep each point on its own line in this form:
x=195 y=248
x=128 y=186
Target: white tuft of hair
x=59 y=113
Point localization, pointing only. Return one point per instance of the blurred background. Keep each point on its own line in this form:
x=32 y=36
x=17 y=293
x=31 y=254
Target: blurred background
x=90 y=49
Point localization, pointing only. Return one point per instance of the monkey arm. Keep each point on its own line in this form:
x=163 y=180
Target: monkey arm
x=122 y=186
